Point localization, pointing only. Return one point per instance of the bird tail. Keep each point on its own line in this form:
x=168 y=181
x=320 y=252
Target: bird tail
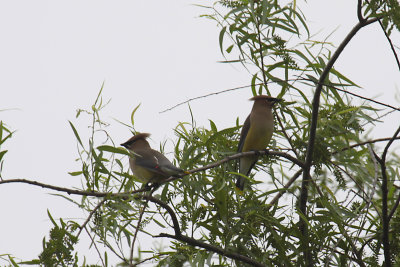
x=240 y=180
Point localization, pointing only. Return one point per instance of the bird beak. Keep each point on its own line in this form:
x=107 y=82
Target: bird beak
x=124 y=145
x=275 y=100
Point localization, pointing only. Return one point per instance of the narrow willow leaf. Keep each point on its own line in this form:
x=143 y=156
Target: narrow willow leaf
x=115 y=150
x=133 y=114
x=75 y=133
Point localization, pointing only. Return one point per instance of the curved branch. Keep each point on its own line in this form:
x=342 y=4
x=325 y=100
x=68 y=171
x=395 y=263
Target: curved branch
x=130 y=193
x=218 y=250
x=286 y=186
x=385 y=215
x=312 y=135
x=191 y=241
x=138 y=225
x=90 y=216
x=250 y=153
x=165 y=206
x=73 y=191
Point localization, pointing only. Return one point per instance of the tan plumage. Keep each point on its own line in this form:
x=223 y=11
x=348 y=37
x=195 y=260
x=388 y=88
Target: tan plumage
x=256 y=133
x=147 y=164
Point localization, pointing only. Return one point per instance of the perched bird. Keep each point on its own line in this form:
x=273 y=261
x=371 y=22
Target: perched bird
x=256 y=133
x=147 y=164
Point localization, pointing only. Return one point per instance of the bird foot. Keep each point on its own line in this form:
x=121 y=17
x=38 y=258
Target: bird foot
x=148 y=187
x=154 y=186
x=256 y=152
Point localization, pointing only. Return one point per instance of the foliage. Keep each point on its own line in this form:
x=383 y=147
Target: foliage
x=346 y=197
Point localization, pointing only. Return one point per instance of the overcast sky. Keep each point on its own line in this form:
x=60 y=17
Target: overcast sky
x=56 y=54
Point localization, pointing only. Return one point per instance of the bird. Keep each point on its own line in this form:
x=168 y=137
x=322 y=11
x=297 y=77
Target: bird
x=147 y=164
x=256 y=134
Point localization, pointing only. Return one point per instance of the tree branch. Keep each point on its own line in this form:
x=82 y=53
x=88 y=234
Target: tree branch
x=312 y=135
x=353 y=94
x=130 y=193
x=218 y=250
x=191 y=241
x=366 y=143
x=385 y=216
x=391 y=44
x=250 y=153
x=73 y=191
x=138 y=225
x=287 y=185
x=90 y=216
x=165 y=206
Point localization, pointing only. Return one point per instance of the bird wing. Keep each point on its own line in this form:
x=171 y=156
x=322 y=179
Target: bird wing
x=166 y=166
x=147 y=159
x=156 y=162
x=243 y=133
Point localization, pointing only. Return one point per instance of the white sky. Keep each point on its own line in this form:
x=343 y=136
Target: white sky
x=55 y=55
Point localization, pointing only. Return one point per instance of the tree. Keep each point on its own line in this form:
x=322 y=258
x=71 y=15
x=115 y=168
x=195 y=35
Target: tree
x=331 y=198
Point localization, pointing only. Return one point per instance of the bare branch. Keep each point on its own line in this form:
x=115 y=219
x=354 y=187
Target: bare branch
x=391 y=44
x=356 y=95
x=90 y=216
x=95 y=246
x=203 y=96
x=138 y=225
x=366 y=143
x=171 y=212
x=73 y=191
x=287 y=185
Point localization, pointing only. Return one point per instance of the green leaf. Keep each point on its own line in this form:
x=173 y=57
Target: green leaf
x=221 y=39
x=2 y=153
x=113 y=149
x=12 y=261
x=76 y=133
x=77 y=173
x=229 y=49
x=133 y=114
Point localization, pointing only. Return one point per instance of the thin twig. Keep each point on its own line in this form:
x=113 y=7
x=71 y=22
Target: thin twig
x=286 y=186
x=203 y=96
x=95 y=246
x=371 y=195
x=138 y=225
x=365 y=143
x=287 y=136
x=90 y=216
x=148 y=259
x=358 y=96
x=391 y=44
x=261 y=52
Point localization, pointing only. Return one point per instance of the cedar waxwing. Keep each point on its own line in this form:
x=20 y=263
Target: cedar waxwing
x=147 y=164
x=256 y=133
